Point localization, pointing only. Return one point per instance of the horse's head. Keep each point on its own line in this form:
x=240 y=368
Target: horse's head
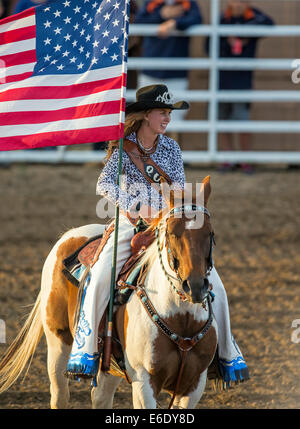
x=189 y=242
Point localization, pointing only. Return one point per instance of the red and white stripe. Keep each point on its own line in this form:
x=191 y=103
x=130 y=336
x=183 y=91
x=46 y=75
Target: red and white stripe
x=50 y=110
x=17 y=46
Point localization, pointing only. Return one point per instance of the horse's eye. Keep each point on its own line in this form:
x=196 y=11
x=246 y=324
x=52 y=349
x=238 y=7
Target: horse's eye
x=175 y=263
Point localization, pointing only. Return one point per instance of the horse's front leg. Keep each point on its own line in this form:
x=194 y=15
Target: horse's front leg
x=142 y=391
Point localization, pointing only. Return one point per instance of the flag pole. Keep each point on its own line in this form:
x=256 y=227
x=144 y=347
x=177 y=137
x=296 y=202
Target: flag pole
x=105 y=366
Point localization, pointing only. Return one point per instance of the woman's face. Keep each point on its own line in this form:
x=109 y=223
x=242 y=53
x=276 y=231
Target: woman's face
x=158 y=120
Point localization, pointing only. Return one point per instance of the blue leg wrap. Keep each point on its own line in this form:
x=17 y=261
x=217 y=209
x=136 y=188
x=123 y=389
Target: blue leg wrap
x=235 y=370
x=82 y=365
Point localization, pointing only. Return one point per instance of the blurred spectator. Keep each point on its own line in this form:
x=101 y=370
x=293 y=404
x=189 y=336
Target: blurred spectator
x=4 y=8
x=238 y=12
x=100 y=145
x=26 y=4
x=170 y=15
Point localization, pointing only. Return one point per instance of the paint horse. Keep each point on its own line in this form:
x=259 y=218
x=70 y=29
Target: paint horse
x=166 y=328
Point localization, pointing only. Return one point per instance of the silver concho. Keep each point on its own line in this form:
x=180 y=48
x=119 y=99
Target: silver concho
x=149 y=169
x=152 y=172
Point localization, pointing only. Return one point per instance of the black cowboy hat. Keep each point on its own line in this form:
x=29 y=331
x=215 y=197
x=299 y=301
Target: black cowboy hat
x=155 y=97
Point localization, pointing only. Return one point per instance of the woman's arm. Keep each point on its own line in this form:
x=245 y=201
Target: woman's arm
x=179 y=174
x=107 y=186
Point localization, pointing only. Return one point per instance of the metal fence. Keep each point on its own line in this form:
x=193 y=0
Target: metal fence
x=212 y=126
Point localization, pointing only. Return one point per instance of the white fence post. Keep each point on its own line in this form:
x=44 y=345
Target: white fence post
x=213 y=78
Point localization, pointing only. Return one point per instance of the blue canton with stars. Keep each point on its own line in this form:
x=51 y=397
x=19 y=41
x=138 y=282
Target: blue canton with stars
x=74 y=36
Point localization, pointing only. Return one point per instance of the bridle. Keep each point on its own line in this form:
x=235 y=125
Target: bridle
x=181 y=210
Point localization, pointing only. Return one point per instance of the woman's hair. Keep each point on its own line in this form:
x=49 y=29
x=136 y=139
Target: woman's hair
x=133 y=121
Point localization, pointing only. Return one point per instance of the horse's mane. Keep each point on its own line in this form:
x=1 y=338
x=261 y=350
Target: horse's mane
x=151 y=252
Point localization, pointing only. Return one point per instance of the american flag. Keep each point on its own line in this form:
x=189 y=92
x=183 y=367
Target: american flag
x=63 y=72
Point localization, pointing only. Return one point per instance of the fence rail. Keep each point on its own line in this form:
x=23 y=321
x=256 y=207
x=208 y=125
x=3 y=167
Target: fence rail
x=205 y=64
x=212 y=127
x=221 y=30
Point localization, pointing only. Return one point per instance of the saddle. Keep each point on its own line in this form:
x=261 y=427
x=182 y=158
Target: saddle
x=86 y=256
x=89 y=254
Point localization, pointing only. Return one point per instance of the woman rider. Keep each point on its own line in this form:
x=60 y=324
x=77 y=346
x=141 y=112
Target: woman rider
x=145 y=125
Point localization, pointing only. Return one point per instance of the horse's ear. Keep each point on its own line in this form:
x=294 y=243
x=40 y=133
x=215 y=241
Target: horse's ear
x=206 y=188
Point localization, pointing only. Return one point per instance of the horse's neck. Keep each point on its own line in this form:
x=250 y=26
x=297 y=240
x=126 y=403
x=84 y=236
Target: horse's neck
x=159 y=290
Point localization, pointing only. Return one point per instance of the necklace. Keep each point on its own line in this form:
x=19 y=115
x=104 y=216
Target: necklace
x=147 y=150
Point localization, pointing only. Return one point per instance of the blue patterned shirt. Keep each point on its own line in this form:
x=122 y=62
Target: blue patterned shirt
x=134 y=188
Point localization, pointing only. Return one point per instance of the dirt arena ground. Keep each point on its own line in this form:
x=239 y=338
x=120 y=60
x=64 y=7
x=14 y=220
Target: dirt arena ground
x=257 y=224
